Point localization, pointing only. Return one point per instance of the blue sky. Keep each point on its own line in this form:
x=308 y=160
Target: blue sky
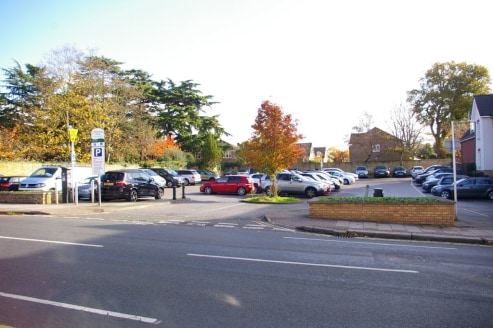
x=324 y=62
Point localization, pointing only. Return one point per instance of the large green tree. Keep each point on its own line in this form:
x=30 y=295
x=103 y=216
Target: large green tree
x=445 y=95
x=40 y=103
x=180 y=110
x=211 y=154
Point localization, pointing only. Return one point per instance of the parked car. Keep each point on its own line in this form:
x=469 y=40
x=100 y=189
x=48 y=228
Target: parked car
x=361 y=171
x=325 y=175
x=474 y=187
x=129 y=184
x=399 y=172
x=190 y=177
x=10 y=183
x=172 y=178
x=206 y=175
x=289 y=183
x=415 y=170
x=381 y=171
x=255 y=177
x=353 y=175
x=158 y=180
x=84 y=188
x=313 y=175
x=345 y=177
x=440 y=179
x=420 y=178
x=231 y=184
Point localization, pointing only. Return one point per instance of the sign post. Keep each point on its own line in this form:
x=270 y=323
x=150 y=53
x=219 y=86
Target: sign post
x=73 y=137
x=98 y=156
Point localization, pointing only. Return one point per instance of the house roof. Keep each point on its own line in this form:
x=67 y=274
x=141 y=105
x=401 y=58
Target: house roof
x=484 y=104
x=306 y=146
x=469 y=134
x=356 y=137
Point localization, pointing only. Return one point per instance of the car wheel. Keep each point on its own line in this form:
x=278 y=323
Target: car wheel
x=445 y=194
x=310 y=192
x=346 y=181
x=133 y=195
x=208 y=190
x=159 y=193
x=490 y=194
x=186 y=182
x=169 y=184
x=241 y=191
x=268 y=191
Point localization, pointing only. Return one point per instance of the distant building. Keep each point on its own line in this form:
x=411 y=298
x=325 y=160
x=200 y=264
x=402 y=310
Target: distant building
x=374 y=145
x=477 y=142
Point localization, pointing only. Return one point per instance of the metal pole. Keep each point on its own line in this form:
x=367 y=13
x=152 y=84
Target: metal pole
x=454 y=171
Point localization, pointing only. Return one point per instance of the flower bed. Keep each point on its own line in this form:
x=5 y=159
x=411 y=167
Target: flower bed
x=430 y=211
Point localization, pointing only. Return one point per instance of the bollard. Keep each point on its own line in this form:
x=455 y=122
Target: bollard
x=174 y=191
x=183 y=191
x=378 y=192
x=367 y=191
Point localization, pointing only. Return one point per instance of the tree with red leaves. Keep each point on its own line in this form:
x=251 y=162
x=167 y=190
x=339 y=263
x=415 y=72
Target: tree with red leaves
x=273 y=144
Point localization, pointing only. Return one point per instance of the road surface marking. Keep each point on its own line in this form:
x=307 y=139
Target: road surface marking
x=83 y=308
x=51 y=241
x=301 y=263
x=362 y=242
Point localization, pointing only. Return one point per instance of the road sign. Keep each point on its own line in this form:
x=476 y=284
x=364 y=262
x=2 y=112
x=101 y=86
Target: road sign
x=97 y=151
x=73 y=134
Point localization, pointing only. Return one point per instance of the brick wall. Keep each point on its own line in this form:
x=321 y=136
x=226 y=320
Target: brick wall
x=21 y=197
x=442 y=214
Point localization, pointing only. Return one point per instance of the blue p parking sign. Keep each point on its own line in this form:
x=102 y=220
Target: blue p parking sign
x=98 y=152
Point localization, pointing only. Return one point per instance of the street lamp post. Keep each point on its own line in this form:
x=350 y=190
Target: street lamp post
x=454 y=165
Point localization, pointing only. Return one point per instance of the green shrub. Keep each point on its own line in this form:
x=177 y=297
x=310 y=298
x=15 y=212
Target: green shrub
x=392 y=200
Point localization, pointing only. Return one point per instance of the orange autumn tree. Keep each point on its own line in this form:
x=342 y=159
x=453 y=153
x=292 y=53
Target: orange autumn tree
x=273 y=144
x=159 y=147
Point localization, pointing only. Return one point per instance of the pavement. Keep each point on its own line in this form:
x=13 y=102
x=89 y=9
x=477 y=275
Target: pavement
x=467 y=229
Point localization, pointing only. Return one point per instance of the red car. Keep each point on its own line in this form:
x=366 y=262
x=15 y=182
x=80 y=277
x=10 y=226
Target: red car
x=231 y=184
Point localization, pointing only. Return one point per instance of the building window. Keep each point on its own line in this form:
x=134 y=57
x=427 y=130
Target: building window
x=228 y=154
x=375 y=148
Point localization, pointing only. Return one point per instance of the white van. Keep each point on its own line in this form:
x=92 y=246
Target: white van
x=50 y=177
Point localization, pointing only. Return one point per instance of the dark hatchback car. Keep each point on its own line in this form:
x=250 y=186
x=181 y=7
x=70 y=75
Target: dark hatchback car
x=129 y=184
x=10 y=183
x=84 y=188
x=381 y=171
x=439 y=178
x=172 y=178
x=399 y=172
x=466 y=188
x=420 y=178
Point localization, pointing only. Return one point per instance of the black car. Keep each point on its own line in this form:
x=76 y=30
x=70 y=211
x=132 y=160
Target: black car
x=420 y=178
x=381 y=171
x=129 y=184
x=439 y=179
x=480 y=187
x=172 y=178
x=399 y=172
x=10 y=183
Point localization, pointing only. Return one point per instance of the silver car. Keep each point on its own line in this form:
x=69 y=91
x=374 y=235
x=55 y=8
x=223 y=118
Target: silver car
x=190 y=177
x=293 y=184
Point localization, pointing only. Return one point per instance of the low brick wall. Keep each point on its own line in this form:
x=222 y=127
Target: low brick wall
x=442 y=214
x=16 y=197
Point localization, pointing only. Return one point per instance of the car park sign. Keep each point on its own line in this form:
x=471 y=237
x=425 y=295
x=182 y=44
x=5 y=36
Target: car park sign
x=97 y=151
